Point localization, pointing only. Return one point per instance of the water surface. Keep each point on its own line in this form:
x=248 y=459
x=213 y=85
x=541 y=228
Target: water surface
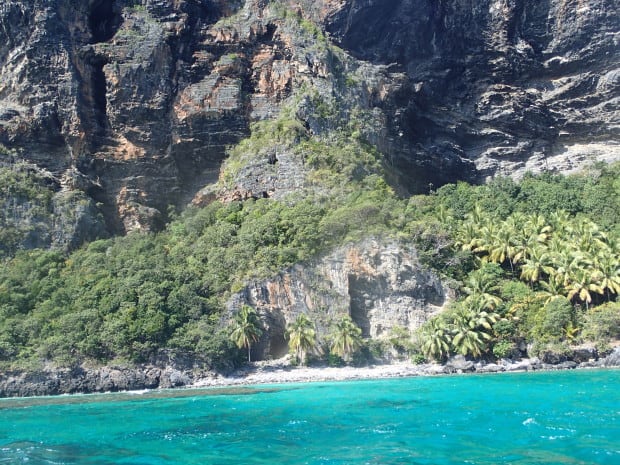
x=568 y=417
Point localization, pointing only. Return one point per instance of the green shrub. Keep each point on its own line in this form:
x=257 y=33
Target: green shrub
x=504 y=349
x=552 y=320
x=602 y=324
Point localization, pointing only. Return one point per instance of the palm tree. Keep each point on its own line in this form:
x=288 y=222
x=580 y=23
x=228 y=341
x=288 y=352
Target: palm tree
x=468 y=236
x=481 y=312
x=246 y=329
x=607 y=267
x=582 y=283
x=565 y=263
x=347 y=338
x=536 y=226
x=500 y=244
x=467 y=338
x=301 y=337
x=477 y=216
x=482 y=285
x=537 y=264
x=553 y=288
x=445 y=216
x=587 y=236
x=435 y=339
x=561 y=222
x=521 y=241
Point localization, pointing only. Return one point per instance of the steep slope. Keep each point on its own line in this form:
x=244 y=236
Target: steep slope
x=135 y=103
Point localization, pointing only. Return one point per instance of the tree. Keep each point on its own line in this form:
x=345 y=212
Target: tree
x=552 y=288
x=583 y=282
x=468 y=338
x=536 y=265
x=435 y=338
x=246 y=329
x=347 y=338
x=553 y=320
x=500 y=244
x=301 y=336
x=607 y=267
x=483 y=283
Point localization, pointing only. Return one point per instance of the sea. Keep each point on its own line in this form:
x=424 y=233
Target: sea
x=563 y=417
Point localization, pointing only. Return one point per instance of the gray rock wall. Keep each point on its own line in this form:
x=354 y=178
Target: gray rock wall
x=379 y=283
x=141 y=98
x=512 y=85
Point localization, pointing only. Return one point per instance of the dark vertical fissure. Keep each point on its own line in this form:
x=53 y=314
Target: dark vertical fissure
x=104 y=19
x=99 y=89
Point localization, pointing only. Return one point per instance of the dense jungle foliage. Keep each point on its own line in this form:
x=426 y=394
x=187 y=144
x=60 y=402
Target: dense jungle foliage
x=534 y=263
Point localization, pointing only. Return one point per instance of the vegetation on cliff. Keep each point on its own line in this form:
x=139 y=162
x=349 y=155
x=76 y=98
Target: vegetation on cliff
x=535 y=262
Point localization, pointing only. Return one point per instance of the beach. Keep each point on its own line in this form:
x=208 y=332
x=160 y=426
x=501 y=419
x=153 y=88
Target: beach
x=282 y=371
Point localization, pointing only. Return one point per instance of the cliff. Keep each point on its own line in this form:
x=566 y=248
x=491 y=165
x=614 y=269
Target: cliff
x=134 y=103
x=300 y=131
x=380 y=284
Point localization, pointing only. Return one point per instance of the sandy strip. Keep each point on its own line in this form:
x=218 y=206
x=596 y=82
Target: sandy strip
x=289 y=374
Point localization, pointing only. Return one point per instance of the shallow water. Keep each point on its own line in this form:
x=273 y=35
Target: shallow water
x=568 y=417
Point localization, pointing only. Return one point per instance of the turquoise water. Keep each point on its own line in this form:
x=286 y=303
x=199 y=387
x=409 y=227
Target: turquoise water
x=569 y=417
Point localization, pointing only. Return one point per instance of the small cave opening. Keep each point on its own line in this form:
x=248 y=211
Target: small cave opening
x=104 y=20
x=270 y=31
x=361 y=293
x=278 y=347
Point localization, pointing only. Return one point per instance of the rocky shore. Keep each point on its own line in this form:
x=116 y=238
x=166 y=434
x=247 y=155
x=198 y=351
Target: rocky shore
x=117 y=378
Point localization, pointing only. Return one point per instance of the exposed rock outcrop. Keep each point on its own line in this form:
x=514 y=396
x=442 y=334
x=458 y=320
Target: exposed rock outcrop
x=38 y=210
x=141 y=98
x=380 y=284
x=513 y=85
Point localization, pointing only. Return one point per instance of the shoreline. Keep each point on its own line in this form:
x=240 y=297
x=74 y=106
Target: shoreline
x=279 y=373
x=110 y=379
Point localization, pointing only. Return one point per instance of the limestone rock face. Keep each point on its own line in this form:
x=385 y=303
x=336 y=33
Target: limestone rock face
x=380 y=284
x=142 y=98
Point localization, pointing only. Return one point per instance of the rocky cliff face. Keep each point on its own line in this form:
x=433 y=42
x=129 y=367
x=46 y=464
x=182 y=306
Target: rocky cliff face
x=133 y=102
x=512 y=85
x=380 y=284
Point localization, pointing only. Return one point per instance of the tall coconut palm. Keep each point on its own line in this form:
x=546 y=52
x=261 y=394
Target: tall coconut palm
x=536 y=266
x=246 y=329
x=500 y=245
x=581 y=285
x=435 y=338
x=468 y=236
x=587 y=236
x=561 y=222
x=607 y=268
x=537 y=227
x=467 y=338
x=552 y=288
x=301 y=337
x=480 y=285
x=522 y=242
x=481 y=312
x=477 y=216
x=565 y=263
x=347 y=338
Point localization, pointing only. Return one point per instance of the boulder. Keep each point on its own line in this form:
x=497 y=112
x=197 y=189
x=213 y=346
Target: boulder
x=459 y=364
x=613 y=359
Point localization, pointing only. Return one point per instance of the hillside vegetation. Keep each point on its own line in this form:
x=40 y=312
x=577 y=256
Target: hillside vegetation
x=535 y=264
